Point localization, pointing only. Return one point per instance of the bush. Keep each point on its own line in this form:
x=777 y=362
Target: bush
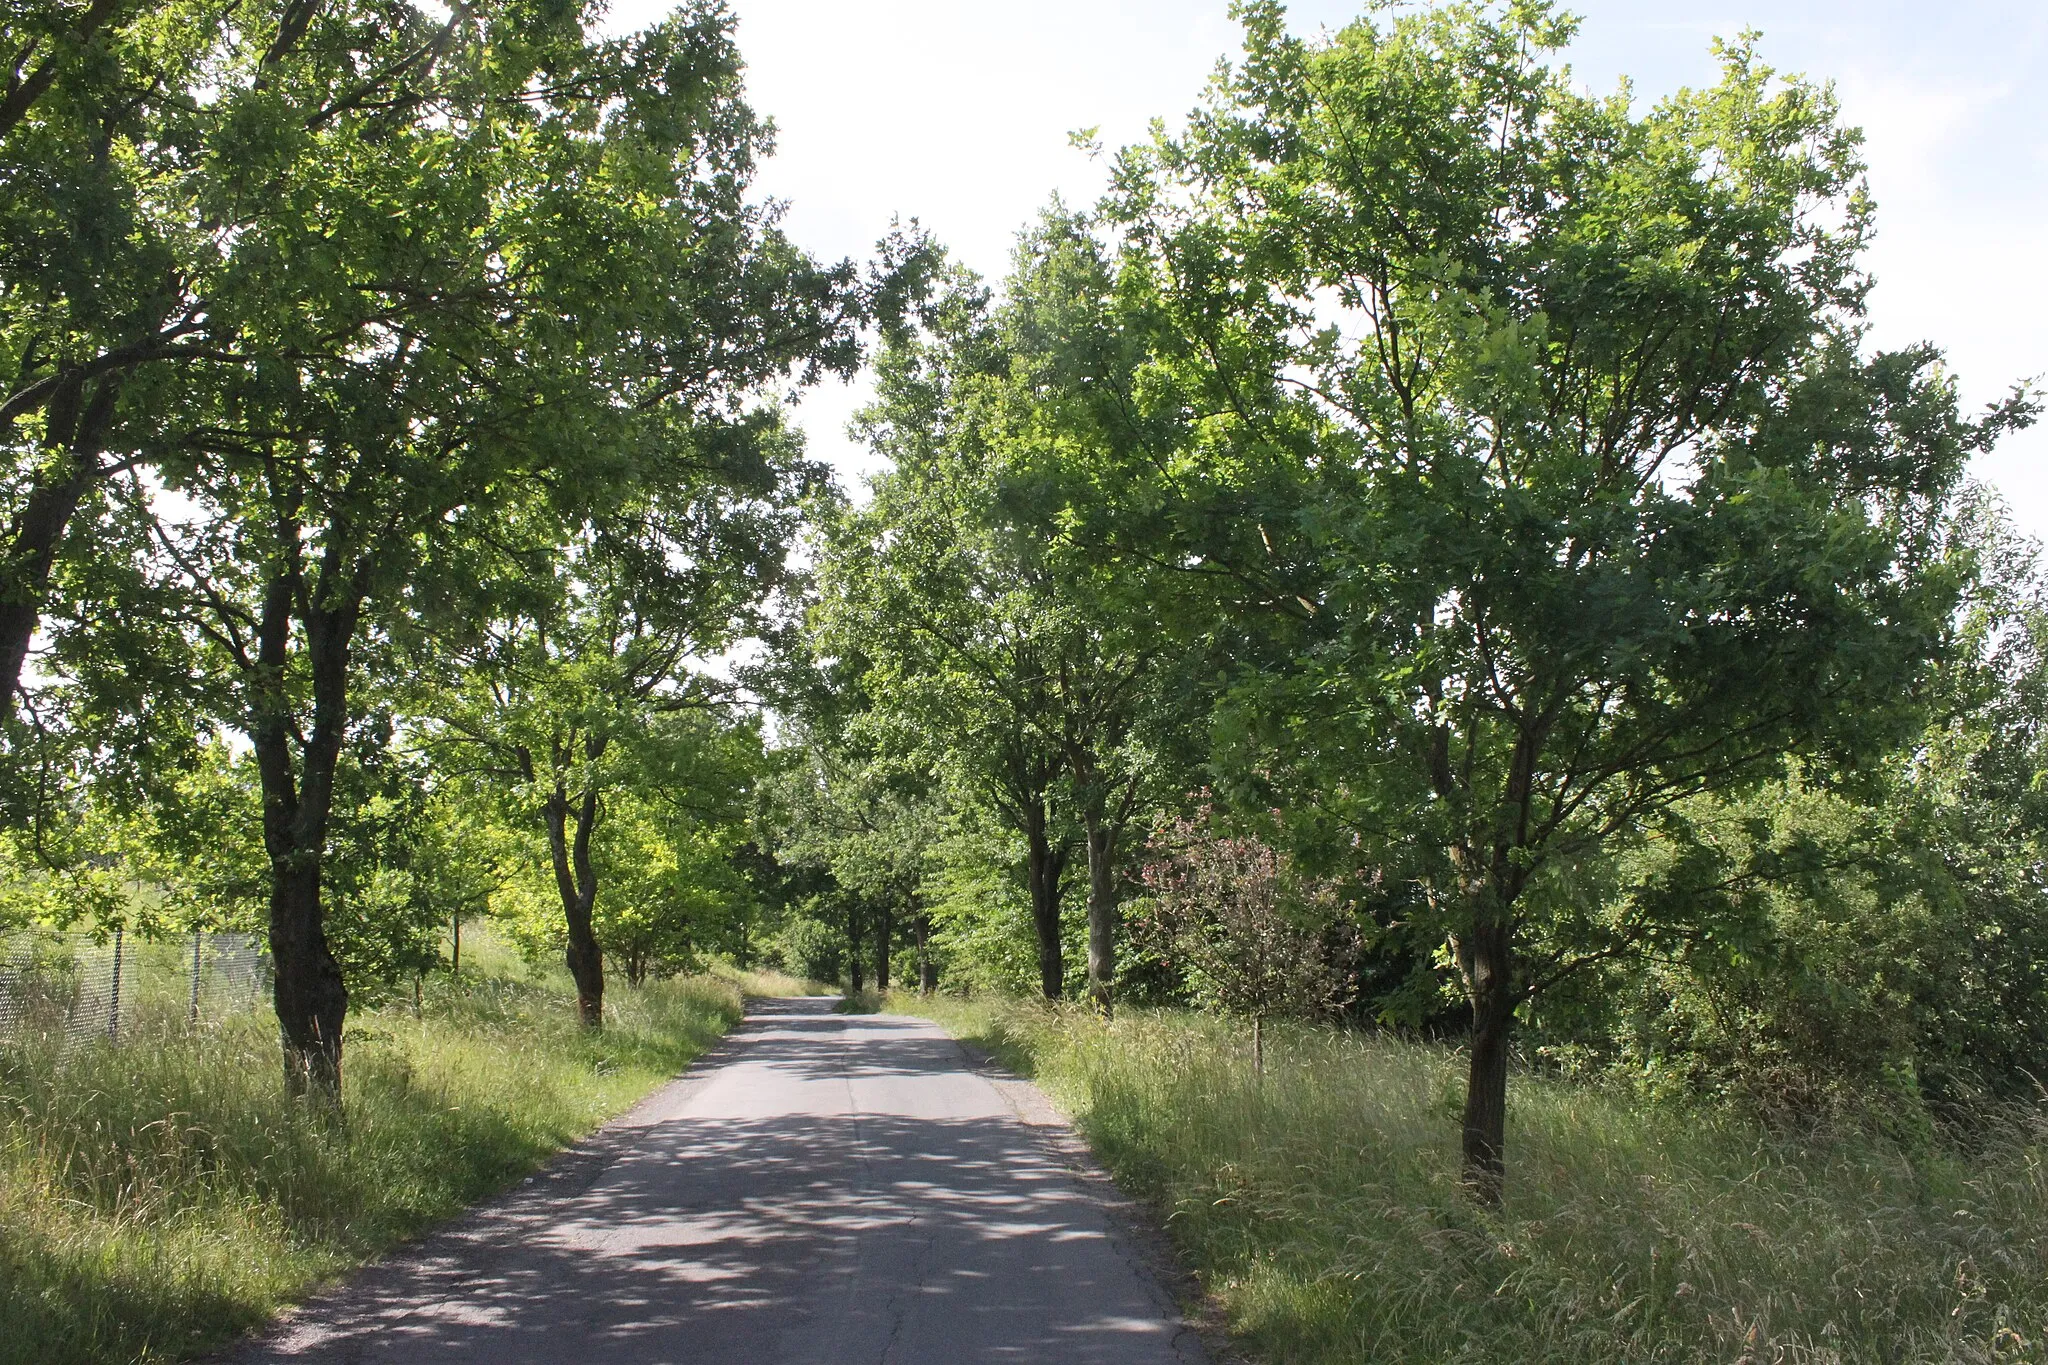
x=812 y=948
x=1860 y=963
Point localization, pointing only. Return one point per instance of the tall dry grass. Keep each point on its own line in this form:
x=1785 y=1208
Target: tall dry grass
x=765 y=981
x=1320 y=1205
x=159 y=1197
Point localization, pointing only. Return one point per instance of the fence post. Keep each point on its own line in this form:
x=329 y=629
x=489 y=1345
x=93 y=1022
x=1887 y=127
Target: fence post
x=114 y=995
x=192 y=1013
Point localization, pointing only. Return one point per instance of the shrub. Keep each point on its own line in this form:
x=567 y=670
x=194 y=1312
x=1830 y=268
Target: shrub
x=811 y=948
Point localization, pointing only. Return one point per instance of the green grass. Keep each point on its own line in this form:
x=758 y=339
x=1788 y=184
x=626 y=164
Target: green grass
x=1321 y=1209
x=763 y=981
x=160 y=1197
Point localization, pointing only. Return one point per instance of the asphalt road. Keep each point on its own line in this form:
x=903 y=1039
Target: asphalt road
x=822 y=1188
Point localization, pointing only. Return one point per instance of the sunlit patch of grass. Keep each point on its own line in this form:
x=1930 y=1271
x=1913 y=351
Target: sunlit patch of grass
x=159 y=1197
x=767 y=982
x=1321 y=1207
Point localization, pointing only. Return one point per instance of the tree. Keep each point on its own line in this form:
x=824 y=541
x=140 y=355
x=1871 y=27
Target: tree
x=1251 y=936
x=155 y=157
x=864 y=819
x=562 y=291
x=103 y=241
x=1542 y=436
x=582 y=700
x=1028 y=665
x=1856 y=937
x=658 y=859
x=1065 y=411
x=913 y=589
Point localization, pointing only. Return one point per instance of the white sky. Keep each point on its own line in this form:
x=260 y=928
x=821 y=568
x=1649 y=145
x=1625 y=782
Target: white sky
x=956 y=112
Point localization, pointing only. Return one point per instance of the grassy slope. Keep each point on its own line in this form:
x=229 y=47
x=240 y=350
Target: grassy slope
x=1321 y=1209
x=160 y=1197
x=766 y=982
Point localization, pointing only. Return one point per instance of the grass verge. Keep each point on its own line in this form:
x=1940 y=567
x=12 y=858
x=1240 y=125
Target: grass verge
x=1320 y=1207
x=160 y=1197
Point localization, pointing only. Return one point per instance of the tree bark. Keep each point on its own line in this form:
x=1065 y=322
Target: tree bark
x=927 y=970
x=1102 y=907
x=310 y=995
x=1485 y=958
x=576 y=882
x=856 y=969
x=1043 y=869
x=308 y=991
x=885 y=929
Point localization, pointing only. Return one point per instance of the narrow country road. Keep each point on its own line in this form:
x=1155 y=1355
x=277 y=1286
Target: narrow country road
x=822 y=1188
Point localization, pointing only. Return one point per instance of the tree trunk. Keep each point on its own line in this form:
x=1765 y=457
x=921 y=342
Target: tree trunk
x=1485 y=957
x=310 y=995
x=1101 y=914
x=1042 y=870
x=856 y=969
x=585 y=961
x=576 y=881
x=927 y=970
x=885 y=929
x=78 y=427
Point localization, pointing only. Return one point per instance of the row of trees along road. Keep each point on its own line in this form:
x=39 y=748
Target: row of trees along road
x=1425 y=530
x=1459 y=476
x=351 y=345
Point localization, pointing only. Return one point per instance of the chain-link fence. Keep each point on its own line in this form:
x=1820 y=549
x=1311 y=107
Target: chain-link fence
x=83 y=986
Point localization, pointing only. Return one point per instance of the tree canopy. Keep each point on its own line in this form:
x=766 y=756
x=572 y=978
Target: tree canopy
x=1430 y=548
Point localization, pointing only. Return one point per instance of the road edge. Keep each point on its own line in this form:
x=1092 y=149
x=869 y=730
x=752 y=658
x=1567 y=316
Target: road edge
x=567 y=1173
x=1139 y=1223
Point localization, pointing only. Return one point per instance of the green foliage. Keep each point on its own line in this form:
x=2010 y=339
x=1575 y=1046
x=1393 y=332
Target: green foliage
x=981 y=910
x=1800 y=995
x=406 y=859
x=811 y=948
x=662 y=850
x=1486 y=491
x=1852 y=947
x=1533 y=474
x=621 y=777
x=1547 y=638
x=1322 y=1207
x=1543 y=556
x=991 y=649
x=384 y=312
x=851 y=825
x=1246 y=932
